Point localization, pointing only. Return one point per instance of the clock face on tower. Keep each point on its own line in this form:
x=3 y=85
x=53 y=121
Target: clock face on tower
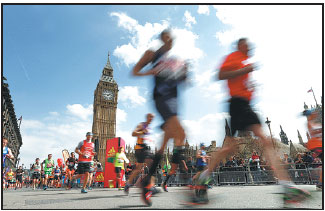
x=108 y=94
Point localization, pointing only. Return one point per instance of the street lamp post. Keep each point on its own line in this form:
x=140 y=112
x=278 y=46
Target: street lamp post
x=268 y=122
x=18 y=159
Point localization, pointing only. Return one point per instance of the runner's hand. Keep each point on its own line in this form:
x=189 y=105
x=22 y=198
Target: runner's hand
x=249 y=68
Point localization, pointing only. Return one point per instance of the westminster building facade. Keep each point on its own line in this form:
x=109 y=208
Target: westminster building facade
x=10 y=128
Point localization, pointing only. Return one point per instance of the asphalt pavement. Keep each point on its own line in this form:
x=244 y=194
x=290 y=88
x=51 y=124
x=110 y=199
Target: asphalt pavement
x=222 y=197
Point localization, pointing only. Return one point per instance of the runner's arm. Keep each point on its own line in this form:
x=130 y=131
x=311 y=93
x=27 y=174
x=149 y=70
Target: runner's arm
x=125 y=158
x=225 y=74
x=198 y=154
x=77 y=150
x=185 y=166
x=137 y=131
x=145 y=59
x=9 y=155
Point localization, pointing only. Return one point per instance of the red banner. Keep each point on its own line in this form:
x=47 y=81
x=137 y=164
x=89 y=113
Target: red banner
x=112 y=146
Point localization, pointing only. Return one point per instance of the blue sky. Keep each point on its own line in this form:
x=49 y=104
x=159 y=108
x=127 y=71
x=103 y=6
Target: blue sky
x=53 y=57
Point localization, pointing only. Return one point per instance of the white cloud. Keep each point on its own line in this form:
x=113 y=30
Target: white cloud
x=205 y=129
x=53 y=134
x=80 y=111
x=189 y=19
x=184 y=46
x=26 y=123
x=125 y=21
x=54 y=113
x=120 y=116
x=144 y=37
x=129 y=95
x=203 y=9
x=287 y=46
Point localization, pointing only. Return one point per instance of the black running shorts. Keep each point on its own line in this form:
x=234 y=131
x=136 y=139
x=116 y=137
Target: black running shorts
x=118 y=170
x=19 y=178
x=36 y=175
x=141 y=155
x=200 y=168
x=167 y=107
x=242 y=115
x=83 y=168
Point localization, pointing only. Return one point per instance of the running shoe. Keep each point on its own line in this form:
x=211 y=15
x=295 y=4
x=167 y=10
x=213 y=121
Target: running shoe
x=90 y=188
x=198 y=195
x=294 y=195
x=319 y=187
x=72 y=183
x=164 y=187
x=155 y=190
x=204 y=180
x=45 y=187
x=126 y=189
x=83 y=191
x=146 y=195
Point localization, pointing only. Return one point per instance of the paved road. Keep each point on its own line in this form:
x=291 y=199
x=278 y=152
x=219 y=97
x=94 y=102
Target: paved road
x=223 y=197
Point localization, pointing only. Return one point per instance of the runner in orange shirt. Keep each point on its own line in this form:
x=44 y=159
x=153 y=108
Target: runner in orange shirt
x=315 y=143
x=236 y=70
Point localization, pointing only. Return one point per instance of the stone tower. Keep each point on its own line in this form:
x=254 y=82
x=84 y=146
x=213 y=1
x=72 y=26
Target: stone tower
x=300 y=139
x=105 y=105
x=283 y=136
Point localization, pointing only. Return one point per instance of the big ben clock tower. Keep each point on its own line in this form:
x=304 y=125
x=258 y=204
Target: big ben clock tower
x=105 y=105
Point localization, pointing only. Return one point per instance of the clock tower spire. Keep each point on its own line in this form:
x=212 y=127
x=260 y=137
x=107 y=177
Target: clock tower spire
x=105 y=105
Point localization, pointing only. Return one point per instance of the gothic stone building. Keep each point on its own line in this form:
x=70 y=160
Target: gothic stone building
x=105 y=105
x=10 y=129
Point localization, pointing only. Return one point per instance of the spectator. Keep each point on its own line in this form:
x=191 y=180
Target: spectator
x=299 y=162
x=230 y=163
x=99 y=166
x=146 y=169
x=128 y=171
x=159 y=174
x=190 y=165
x=307 y=158
x=254 y=161
x=239 y=161
x=287 y=161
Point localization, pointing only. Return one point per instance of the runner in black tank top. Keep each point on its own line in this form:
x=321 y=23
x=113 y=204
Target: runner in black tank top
x=165 y=97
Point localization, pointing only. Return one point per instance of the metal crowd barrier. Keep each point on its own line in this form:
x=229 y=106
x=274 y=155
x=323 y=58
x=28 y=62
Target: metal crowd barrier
x=300 y=174
x=240 y=175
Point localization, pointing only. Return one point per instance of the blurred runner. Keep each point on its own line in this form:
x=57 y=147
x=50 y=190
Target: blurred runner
x=315 y=143
x=19 y=177
x=236 y=70
x=6 y=153
x=71 y=162
x=48 y=168
x=36 y=172
x=85 y=150
x=168 y=73
x=57 y=173
x=142 y=153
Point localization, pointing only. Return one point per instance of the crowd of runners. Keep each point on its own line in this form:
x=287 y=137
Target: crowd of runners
x=168 y=74
x=45 y=174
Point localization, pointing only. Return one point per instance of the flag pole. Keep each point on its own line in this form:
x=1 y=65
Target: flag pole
x=20 y=122
x=314 y=96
